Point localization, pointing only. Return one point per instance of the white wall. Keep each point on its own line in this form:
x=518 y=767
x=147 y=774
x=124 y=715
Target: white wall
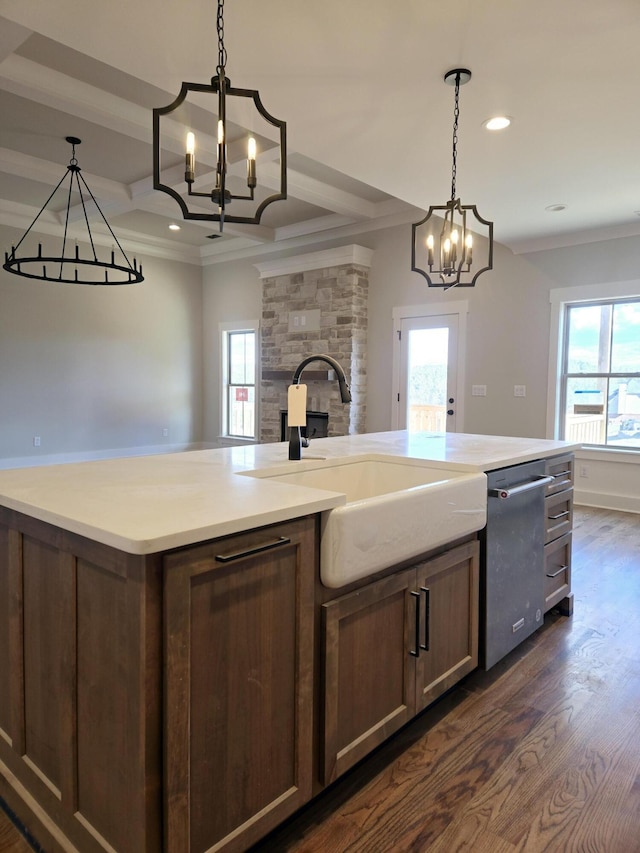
x=232 y=292
x=92 y=369
x=508 y=337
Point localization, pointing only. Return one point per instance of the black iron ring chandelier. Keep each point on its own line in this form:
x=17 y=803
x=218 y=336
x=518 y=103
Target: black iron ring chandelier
x=72 y=268
x=227 y=132
x=450 y=258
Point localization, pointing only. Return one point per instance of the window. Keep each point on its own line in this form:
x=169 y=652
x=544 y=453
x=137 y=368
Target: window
x=239 y=383
x=600 y=376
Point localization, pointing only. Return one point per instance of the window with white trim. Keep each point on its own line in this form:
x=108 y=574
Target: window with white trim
x=239 y=368
x=600 y=373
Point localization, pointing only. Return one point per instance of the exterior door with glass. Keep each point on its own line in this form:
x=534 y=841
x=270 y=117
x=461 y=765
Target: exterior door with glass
x=427 y=385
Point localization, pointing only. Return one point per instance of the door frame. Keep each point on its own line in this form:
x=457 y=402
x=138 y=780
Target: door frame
x=409 y=312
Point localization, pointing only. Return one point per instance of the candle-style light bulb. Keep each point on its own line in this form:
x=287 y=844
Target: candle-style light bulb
x=222 y=154
x=455 y=236
x=468 y=248
x=190 y=159
x=446 y=255
x=430 y=250
x=251 y=163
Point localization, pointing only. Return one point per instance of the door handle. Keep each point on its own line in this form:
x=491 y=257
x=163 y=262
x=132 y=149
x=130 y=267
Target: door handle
x=416 y=653
x=427 y=615
x=518 y=490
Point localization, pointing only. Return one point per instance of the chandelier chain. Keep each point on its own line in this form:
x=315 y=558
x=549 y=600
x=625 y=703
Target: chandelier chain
x=456 y=115
x=222 y=52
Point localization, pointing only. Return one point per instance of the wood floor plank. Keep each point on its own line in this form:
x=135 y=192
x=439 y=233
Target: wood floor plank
x=569 y=782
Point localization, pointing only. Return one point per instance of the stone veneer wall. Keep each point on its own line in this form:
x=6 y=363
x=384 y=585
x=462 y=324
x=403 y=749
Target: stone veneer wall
x=341 y=294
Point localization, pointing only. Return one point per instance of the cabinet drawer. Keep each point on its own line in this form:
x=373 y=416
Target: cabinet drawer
x=561 y=469
x=558 y=511
x=557 y=571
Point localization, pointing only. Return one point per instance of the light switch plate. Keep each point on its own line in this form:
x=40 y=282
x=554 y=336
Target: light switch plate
x=478 y=390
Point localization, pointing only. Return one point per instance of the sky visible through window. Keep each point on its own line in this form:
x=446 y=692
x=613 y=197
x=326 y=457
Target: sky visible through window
x=603 y=339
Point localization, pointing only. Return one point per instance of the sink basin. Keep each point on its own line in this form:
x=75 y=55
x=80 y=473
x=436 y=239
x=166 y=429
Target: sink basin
x=395 y=509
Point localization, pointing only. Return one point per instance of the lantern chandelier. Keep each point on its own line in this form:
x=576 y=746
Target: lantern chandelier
x=71 y=268
x=231 y=133
x=452 y=257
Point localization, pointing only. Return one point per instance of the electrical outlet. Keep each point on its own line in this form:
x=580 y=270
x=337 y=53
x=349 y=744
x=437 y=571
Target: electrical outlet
x=478 y=390
x=36 y=441
x=584 y=472
x=519 y=390
x=165 y=432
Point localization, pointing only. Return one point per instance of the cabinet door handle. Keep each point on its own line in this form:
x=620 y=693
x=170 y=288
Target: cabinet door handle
x=248 y=552
x=427 y=614
x=415 y=653
x=559 y=515
x=559 y=572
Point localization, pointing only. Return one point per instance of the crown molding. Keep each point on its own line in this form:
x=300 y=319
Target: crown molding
x=340 y=256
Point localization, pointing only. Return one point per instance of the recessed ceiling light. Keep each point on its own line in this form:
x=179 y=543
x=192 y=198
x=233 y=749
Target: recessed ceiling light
x=497 y=123
x=174 y=227
x=556 y=208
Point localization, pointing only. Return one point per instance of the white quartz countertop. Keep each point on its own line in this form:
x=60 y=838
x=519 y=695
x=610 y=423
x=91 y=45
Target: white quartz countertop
x=146 y=504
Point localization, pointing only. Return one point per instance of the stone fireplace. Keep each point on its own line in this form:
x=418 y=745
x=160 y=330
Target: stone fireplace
x=315 y=303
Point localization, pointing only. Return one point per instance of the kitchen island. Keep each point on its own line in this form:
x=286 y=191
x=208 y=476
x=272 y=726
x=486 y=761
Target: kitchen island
x=163 y=628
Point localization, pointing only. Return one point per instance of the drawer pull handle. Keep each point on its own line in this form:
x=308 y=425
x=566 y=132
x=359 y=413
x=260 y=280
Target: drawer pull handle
x=559 y=572
x=561 y=474
x=416 y=653
x=248 y=552
x=427 y=614
x=557 y=483
x=559 y=515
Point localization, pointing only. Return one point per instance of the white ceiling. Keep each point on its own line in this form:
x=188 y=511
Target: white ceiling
x=360 y=85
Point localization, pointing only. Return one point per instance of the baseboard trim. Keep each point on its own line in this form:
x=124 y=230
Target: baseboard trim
x=603 y=500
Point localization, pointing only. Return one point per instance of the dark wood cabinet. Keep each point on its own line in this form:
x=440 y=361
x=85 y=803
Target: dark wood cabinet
x=80 y=714
x=238 y=686
x=155 y=703
x=391 y=648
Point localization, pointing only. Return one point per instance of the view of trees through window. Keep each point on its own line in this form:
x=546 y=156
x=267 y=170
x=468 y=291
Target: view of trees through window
x=601 y=376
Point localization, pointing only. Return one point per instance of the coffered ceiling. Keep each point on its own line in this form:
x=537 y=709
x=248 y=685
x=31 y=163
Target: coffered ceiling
x=359 y=83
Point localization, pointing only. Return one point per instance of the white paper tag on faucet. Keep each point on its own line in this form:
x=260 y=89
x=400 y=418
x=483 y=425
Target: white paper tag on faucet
x=297 y=405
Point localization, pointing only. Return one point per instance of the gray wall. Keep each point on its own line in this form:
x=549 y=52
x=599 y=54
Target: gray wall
x=92 y=369
x=508 y=332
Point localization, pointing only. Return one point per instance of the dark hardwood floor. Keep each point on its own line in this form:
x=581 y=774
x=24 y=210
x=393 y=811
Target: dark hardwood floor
x=541 y=753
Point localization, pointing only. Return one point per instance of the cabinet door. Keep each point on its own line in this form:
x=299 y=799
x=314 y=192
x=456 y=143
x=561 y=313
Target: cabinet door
x=368 y=671
x=448 y=587
x=238 y=689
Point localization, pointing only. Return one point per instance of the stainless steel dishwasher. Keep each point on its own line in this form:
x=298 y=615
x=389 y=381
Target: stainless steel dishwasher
x=512 y=554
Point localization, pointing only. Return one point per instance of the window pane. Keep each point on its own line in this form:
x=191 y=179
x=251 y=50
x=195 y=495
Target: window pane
x=585 y=415
x=242 y=358
x=241 y=407
x=624 y=412
x=588 y=339
x=427 y=358
x=625 y=354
